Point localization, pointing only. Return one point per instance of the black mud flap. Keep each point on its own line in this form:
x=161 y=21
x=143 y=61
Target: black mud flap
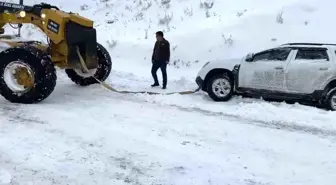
x=84 y=38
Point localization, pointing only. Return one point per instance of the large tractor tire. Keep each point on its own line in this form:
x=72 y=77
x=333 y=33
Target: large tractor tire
x=27 y=75
x=101 y=73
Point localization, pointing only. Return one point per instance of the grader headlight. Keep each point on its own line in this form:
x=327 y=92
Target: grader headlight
x=22 y=14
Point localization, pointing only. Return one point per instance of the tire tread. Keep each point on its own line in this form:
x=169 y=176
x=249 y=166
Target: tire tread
x=104 y=69
x=212 y=94
x=43 y=68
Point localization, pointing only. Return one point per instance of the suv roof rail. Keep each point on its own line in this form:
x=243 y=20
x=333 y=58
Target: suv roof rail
x=315 y=44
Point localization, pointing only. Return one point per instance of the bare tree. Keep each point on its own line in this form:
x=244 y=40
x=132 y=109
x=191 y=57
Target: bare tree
x=279 y=18
x=166 y=20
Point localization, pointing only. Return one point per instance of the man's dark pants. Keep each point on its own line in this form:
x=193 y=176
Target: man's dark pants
x=163 y=66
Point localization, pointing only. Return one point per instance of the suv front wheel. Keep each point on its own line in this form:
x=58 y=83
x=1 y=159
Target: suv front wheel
x=220 y=87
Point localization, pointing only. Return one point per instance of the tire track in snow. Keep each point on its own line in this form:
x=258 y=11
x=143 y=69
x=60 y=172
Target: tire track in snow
x=278 y=125
x=291 y=126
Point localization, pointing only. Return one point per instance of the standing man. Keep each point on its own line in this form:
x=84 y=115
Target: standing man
x=160 y=59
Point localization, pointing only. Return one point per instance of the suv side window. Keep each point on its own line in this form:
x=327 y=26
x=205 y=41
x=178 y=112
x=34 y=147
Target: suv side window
x=312 y=54
x=279 y=54
x=261 y=56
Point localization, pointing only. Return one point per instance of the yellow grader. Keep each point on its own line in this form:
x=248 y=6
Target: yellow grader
x=27 y=68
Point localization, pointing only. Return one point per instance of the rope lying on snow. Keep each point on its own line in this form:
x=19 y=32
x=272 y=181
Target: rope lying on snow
x=109 y=87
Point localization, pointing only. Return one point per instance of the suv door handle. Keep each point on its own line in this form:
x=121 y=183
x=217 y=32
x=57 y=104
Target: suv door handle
x=279 y=67
x=323 y=68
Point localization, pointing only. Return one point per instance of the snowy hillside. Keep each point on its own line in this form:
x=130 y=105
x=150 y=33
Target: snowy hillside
x=93 y=136
x=203 y=30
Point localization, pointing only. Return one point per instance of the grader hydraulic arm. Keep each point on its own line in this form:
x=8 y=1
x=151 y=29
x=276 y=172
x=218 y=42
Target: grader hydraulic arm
x=27 y=68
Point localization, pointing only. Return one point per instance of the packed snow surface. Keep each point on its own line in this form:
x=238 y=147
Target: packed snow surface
x=89 y=135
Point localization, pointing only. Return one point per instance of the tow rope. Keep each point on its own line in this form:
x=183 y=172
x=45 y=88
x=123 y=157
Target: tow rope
x=109 y=87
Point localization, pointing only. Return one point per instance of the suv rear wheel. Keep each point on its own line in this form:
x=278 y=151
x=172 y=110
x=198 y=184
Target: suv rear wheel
x=331 y=100
x=220 y=87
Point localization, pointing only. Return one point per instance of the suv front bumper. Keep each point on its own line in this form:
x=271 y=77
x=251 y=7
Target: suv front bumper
x=200 y=82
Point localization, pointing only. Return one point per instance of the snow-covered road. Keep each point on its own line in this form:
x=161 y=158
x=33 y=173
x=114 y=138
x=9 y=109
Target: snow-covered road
x=92 y=136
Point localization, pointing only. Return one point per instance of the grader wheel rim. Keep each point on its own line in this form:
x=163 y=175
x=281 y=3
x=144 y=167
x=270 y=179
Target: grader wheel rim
x=19 y=77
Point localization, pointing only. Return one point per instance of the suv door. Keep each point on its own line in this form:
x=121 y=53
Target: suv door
x=309 y=68
x=266 y=70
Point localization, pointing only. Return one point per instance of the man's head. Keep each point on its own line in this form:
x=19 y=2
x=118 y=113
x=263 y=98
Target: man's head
x=159 y=35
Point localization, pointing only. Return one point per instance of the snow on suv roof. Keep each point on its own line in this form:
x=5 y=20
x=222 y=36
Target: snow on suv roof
x=309 y=44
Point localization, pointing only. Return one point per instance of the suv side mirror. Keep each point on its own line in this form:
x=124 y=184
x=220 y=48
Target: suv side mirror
x=249 y=57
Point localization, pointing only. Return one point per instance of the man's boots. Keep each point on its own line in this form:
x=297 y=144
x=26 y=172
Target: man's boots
x=155 y=85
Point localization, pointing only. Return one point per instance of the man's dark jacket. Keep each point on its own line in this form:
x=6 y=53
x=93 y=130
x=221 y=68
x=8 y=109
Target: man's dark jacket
x=161 y=51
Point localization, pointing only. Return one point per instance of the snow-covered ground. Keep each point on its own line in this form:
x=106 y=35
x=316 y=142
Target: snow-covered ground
x=88 y=135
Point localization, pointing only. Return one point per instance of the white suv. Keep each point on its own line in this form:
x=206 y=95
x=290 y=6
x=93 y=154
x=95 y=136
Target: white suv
x=290 y=72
